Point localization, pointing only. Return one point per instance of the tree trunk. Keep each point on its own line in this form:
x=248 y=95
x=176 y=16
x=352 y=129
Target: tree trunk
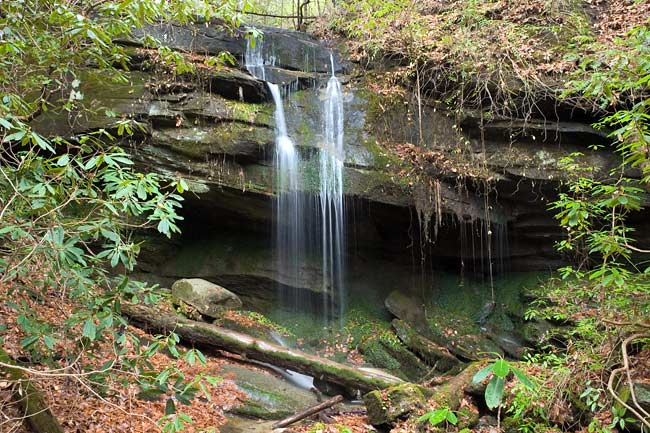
x=210 y=336
x=30 y=400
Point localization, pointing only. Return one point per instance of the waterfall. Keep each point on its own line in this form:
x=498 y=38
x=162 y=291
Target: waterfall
x=331 y=193
x=254 y=60
x=297 y=235
x=290 y=221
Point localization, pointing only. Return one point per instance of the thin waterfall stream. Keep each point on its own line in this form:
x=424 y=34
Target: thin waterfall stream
x=331 y=191
x=303 y=231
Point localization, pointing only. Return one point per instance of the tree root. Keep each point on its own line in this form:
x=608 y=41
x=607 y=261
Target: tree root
x=637 y=411
x=30 y=399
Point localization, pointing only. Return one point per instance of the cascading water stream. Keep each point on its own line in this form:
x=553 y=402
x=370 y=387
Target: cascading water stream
x=254 y=60
x=295 y=230
x=290 y=222
x=331 y=194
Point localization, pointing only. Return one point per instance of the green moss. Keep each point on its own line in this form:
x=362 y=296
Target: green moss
x=380 y=347
x=458 y=332
x=254 y=324
x=385 y=407
x=228 y=138
x=261 y=114
x=264 y=405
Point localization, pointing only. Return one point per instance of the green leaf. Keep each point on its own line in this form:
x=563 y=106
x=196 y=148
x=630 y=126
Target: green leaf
x=190 y=357
x=501 y=368
x=170 y=407
x=49 y=342
x=494 y=392
x=523 y=378
x=451 y=417
x=63 y=160
x=16 y=136
x=482 y=374
x=28 y=341
x=212 y=380
x=110 y=235
x=41 y=142
x=163 y=376
x=438 y=416
x=5 y=124
x=89 y=329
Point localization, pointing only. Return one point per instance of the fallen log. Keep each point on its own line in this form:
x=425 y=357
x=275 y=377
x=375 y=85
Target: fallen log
x=205 y=335
x=308 y=412
x=29 y=399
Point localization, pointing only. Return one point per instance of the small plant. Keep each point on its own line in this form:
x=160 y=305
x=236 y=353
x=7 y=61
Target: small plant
x=499 y=369
x=619 y=420
x=438 y=416
x=592 y=396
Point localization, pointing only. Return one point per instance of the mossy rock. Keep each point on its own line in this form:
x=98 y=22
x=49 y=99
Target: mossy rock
x=394 y=357
x=243 y=142
x=208 y=298
x=389 y=405
x=456 y=332
x=381 y=347
x=253 y=324
x=267 y=396
x=438 y=357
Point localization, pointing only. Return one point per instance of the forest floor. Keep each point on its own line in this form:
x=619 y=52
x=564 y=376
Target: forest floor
x=81 y=405
x=74 y=399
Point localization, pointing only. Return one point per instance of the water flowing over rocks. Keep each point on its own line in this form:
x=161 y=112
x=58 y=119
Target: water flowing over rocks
x=218 y=133
x=292 y=50
x=486 y=212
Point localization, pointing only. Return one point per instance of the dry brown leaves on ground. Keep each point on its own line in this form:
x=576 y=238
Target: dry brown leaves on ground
x=83 y=406
x=356 y=423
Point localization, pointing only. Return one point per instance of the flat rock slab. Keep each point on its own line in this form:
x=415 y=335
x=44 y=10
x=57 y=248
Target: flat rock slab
x=291 y=50
x=238 y=424
x=269 y=397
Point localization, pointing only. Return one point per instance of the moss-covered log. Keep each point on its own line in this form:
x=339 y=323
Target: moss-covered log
x=29 y=399
x=210 y=336
x=437 y=356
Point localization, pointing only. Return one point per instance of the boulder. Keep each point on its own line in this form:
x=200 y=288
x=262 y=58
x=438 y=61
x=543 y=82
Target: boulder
x=391 y=404
x=208 y=298
x=391 y=355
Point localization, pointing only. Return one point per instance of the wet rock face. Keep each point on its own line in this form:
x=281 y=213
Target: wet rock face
x=290 y=50
x=218 y=133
